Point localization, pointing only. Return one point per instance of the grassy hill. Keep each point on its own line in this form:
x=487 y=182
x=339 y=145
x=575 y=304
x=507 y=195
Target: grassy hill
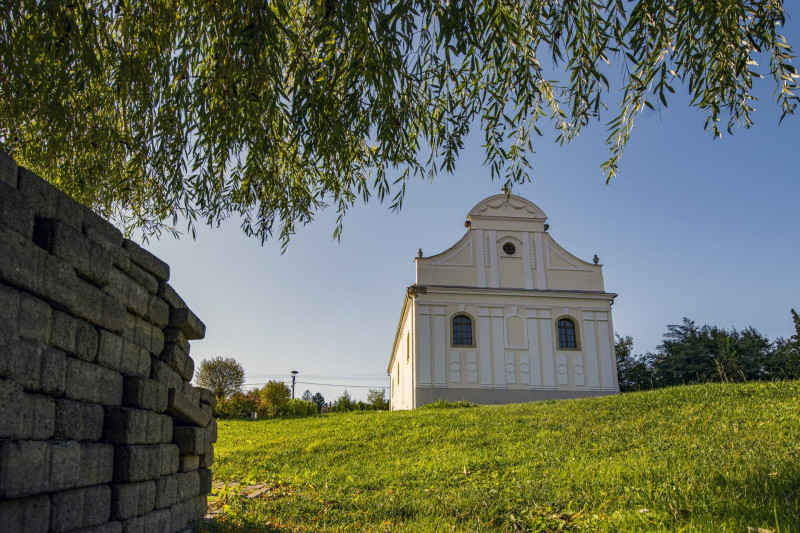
x=717 y=457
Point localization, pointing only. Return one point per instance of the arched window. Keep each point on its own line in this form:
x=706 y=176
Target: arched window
x=462 y=330
x=566 y=334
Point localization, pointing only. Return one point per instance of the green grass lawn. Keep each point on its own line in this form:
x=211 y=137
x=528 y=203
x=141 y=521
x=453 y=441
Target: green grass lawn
x=718 y=457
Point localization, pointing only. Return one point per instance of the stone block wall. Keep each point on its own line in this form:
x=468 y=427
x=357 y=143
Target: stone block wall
x=100 y=428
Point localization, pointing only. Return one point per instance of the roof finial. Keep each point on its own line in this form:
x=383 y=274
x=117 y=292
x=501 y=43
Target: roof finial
x=596 y=259
x=505 y=189
x=419 y=253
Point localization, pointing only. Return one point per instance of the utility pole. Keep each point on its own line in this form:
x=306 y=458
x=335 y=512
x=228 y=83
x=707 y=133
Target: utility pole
x=294 y=375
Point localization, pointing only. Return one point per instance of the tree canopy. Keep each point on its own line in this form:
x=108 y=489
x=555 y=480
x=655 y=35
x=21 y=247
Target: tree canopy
x=221 y=375
x=153 y=112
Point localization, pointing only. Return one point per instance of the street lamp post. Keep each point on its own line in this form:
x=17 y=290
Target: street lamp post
x=294 y=375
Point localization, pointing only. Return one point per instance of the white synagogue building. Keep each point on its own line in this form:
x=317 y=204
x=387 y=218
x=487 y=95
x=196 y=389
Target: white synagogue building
x=505 y=315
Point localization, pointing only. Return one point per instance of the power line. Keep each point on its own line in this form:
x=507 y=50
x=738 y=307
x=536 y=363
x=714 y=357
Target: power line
x=333 y=385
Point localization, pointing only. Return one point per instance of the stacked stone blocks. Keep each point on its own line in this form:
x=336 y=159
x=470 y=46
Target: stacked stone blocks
x=100 y=427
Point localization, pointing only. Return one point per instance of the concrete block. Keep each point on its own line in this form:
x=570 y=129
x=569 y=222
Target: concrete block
x=132 y=499
x=39 y=367
x=109 y=350
x=135 y=360
x=170 y=459
x=38 y=414
x=64 y=465
x=157 y=311
x=143 y=333
x=205 y=480
x=189 y=463
x=190 y=392
x=162 y=373
x=190 y=440
x=206 y=396
x=142 y=462
x=175 y=358
x=108 y=527
x=100 y=230
x=143 y=278
x=24 y=416
x=176 y=336
x=212 y=431
x=180 y=515
x=98 y=307
x=147 y=261
x=188 y=369
x=16 y=211
x=187 y=322
x=137 y=463
x=155 y=522
x=48 y=201
x=97 y=463
x=11 y=398
x=33 y=319
x=8 y=170
x=144 y=393
x=128 y=291
x=25 y=265
x=125 y=425
x=29 y=515
x=184 y=410
x=156 y=341
x=89 y=259
x=166 y=491
x=79 y=508
x=24 y=468
x=168 y=294
x=121 y=258
x=87 y=382
x=188 y=485
x=73 y=335
x=207 y=459
x=78 y=420
x=9 y=309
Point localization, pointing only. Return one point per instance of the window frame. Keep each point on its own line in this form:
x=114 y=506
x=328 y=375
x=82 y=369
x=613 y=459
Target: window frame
x=471 y=326
x=576 y=330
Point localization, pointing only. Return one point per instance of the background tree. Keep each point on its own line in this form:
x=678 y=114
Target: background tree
x=275 y=396
x=319 y=400
x=344 y=403
x=377 y=399
x=786 y=363
x=272 y=110
x=633 y=371
x=307 y=396
x=221 y=375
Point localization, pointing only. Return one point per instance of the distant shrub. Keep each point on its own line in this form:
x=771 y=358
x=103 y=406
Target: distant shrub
x=238 y=405
x=299 y=408
x=444 y=404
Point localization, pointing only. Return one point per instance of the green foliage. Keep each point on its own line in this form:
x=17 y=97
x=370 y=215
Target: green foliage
x=377 y=399
x=716 y=457
x=238 y=405
x=633 y=372
x=152 y=111
x=271 y=401
x=319 y=401
x=221 y=375
x=692 y=354
x=344 y=403
x=697 y=354
x=274 y=398
x=444 y=404
x=307 y=396
x=299 y=408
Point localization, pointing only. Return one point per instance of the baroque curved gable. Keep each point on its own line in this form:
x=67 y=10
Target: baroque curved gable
x=502 y=206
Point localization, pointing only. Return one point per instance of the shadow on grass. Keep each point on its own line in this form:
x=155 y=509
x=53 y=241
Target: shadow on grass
x=212 y=525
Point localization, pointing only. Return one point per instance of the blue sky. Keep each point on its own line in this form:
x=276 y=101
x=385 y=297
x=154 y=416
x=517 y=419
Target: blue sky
x=691 y=227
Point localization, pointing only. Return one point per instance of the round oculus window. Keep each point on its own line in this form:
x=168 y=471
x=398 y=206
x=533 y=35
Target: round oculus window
x=509 y=248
